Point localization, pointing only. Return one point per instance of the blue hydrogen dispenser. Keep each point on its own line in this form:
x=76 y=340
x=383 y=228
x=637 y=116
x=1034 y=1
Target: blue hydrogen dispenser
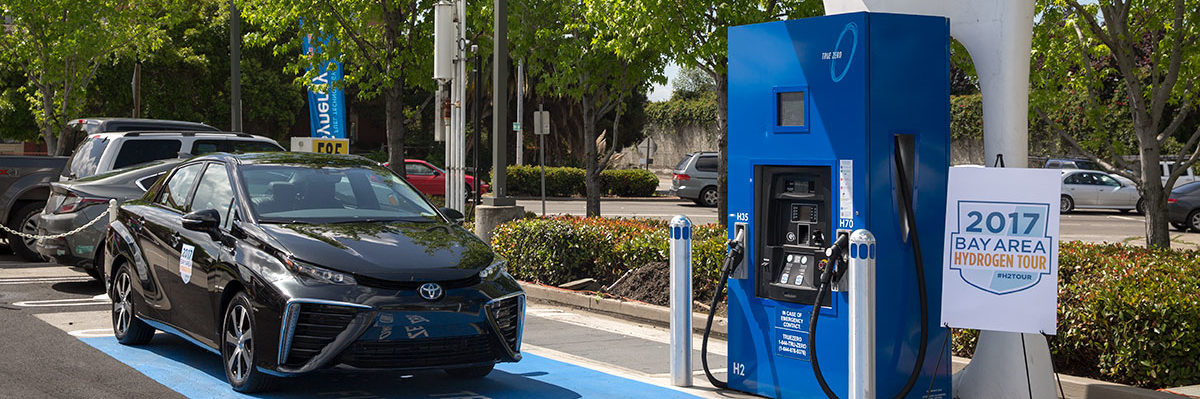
x=837 y=123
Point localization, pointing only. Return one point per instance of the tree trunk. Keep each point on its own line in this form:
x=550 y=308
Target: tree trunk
x=48 y=133
x=1154 y=195
x=394 y=115
x=723 y=146
x=593 y=174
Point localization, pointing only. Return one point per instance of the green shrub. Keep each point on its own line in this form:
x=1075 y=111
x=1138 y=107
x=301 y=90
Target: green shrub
x=562 y=249
x=560 y=181
x=629 y=182
x=1125 y=314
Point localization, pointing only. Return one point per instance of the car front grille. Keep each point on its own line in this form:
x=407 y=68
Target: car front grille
x=412 y=285
x=506 y=314
x=422 y=353
x=316 y=326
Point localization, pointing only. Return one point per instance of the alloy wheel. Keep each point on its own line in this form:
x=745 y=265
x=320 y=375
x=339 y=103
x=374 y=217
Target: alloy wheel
x=29 y=226
x=1195 y=219
x=710 y=197
x=122 y=307
x=239 y=342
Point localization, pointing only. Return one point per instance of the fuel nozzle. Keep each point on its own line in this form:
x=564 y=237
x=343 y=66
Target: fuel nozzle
x=737 y=249
x=835 y=256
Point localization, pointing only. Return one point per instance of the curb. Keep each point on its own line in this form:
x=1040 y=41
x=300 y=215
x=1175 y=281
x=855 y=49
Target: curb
x=636 y=311
x=602 y=199
x=1074 y=387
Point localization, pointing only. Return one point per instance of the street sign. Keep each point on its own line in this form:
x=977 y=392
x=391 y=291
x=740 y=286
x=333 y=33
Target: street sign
x=325 y=146
x=541 y=122
x=516 y=126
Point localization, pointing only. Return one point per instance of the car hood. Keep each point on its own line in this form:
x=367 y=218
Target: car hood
x=395 y=251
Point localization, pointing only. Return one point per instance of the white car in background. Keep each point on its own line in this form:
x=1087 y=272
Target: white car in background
x=1089 y=189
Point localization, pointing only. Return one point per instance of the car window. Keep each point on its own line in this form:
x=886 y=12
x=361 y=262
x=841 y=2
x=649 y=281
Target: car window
x=300 y=194
x=1077 y=178
x=87 y=157
x=1053 y=165
x=201 y=147
x=179 y=186
x=145 y=182
x=1089 y=165
x=418 y=169
x=1107 y=180
x=683 y=162
x=707 y=163
x=214 y=191
x=134 y=152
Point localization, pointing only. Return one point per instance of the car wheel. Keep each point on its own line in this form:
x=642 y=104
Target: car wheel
x=1141 y=207
x=1066 y=204
x=470 y=372
x=25 y=220
x=129 y=329
x=1180 y=226
x=469 y=195
x=1194 y=221
x=237 y=347
x=708 y=196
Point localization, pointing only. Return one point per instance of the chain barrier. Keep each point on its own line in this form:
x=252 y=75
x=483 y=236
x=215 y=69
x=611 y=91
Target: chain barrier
x=112 y=205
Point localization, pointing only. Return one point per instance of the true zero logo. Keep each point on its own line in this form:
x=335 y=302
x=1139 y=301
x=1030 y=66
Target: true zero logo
x=1001 y=247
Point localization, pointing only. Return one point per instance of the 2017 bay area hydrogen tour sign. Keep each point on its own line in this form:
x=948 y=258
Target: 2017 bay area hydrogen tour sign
x=1000 y=268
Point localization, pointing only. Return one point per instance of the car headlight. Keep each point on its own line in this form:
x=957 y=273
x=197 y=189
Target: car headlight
x=495 y=268
x=321 y=274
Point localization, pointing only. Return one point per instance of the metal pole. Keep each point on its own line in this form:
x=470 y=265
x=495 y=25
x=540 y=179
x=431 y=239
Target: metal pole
x=137 y=90
x=500 y=103
x=861 y=272
x=681 y=301
x=235 y=68
x=520 y=112
x=478 y=117
x=542 y=159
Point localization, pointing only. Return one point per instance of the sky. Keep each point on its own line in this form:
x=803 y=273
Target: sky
x=663 y=92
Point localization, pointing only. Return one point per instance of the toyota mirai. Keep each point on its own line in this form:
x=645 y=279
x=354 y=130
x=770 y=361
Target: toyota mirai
x=286 y=263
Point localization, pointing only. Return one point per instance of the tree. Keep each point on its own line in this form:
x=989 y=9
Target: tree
x=385 y=47
x=694 y=32
x=59 y=44
x=1141 y=54
x=692 y=83
x=570 y=46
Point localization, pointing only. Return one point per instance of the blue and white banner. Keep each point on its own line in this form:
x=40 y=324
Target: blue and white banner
x=326 y=104
x=1000 y=269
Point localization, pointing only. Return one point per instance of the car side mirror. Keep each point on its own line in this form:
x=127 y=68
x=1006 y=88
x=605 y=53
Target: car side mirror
x=204 y=220
x=454 y=215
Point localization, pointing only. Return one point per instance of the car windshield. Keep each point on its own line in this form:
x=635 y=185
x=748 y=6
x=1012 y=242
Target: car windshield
x=300 y=194
x=87 y=157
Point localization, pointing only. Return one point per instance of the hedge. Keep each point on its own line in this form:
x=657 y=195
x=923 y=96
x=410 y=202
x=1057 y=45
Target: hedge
x=567 y=181
x=561 y=249
x=1125 y=314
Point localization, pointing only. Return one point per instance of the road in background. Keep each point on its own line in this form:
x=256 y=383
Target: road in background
x=1088 y=226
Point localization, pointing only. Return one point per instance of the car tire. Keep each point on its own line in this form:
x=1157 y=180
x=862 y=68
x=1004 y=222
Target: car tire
x=127 y=327
x=237 y=347
x=1180 y=226
x=25 y=221
x=470 y=372
x=1141 y=206
x=1193 y=220
x=1066 y=204
x=708 y=196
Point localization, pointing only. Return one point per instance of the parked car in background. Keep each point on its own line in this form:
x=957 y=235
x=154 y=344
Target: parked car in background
x=75 y=203
x=284 y=264
x=695 y=178
x=1071 y=163
x=431 y=180
x=24 y=186
x=1188 y=176
x=1086 y=189
x=102 y=152
x=1183 y=207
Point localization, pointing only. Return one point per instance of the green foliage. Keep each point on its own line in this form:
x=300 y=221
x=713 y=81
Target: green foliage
x=629 y=182
x=966 y=117
x=562 y=249
x=692 y=83
x=1125 y=314
x=700 y=110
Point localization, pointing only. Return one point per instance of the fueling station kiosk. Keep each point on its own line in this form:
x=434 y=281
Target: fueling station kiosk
x=836 y=124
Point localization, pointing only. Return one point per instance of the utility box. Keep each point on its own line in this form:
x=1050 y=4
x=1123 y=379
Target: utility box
x=819 y=110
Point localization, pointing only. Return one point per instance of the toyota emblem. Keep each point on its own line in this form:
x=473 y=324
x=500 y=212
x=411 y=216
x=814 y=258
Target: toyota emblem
x=430 y=291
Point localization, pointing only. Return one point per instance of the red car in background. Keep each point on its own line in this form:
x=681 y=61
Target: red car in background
x=431 y=180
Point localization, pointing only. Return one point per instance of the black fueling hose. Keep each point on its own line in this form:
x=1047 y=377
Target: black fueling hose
x=732 y=258
x=826 y=276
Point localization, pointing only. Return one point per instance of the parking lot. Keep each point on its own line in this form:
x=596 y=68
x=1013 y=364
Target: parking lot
x=58 y=341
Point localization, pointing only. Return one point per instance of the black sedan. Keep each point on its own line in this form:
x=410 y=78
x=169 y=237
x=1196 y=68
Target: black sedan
x=1183 y=207
x=285 y=263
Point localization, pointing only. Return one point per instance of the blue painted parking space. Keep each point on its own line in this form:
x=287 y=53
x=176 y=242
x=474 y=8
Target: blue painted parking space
x=197 y=373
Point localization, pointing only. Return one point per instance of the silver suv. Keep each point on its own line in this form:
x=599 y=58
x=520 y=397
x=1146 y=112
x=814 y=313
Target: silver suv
x=695 y=178
x=103 y=152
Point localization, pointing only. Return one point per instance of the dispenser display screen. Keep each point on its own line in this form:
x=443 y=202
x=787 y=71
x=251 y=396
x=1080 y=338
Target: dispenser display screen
x=790 y=107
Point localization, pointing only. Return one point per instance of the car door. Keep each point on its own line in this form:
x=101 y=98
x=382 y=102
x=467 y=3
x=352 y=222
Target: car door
x=208 y=250
x=163 y=239
x=425 y=178
x=1112 y=193
x=706 y=169
x=1079 y=185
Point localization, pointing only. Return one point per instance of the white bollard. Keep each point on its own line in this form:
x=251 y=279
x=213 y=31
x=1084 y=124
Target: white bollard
x=681 y=301
x=112 y=211
x=861 y=272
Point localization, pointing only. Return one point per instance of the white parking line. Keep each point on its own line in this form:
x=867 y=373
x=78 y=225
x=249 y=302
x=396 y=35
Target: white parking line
x=1126 y=218
x=42 y=280
x=48 y=303
x=92 y=333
